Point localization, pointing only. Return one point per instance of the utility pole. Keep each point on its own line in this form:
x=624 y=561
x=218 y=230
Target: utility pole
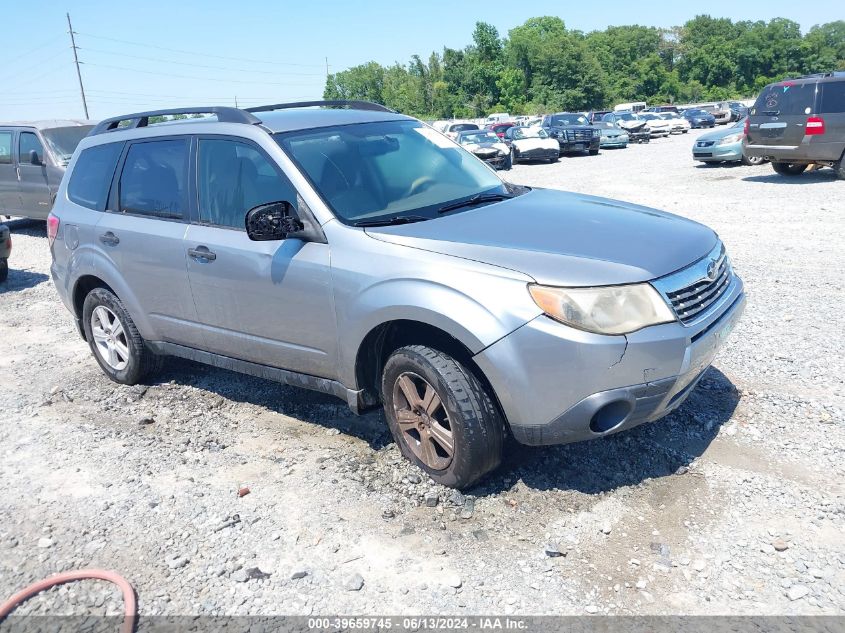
x=327 y=67
x=236 y=101
x=76 y=61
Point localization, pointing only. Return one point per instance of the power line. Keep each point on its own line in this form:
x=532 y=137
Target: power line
x=33 y=50
x=218 y=68
x=160 y=74
x=176 y=50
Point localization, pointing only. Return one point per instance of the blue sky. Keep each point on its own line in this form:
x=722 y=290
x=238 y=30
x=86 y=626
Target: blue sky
x=156 y=53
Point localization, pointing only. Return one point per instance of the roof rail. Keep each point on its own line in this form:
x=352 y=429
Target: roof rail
x=834 y=73
x=355 y=105
x=142 y=119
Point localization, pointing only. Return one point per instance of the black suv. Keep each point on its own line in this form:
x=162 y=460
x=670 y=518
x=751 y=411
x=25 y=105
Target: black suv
x=798 y=122
x=573 y=132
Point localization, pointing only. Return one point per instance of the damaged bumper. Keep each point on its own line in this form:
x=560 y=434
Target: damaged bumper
x=558 y=385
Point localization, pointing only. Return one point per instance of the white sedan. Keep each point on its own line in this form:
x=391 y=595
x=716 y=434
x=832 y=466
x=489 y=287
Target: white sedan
x=657 y=126
x=531 y=143
x=679 y=124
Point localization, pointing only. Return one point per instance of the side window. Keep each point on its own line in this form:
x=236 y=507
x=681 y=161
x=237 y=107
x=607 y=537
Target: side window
x=154 y=179
x=92 y=175
x=832 y=97
x=29 y=142
x=5 y=148
x=233 y=178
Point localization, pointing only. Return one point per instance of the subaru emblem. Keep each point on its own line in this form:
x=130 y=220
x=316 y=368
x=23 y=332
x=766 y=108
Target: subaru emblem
x=711 y=270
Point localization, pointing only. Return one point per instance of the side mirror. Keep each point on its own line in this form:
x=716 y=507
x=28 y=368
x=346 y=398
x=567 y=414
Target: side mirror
x=271 y=221
x=33 y=158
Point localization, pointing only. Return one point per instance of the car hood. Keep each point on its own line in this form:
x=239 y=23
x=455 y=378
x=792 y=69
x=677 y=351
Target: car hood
x=563 y=239
x=721 y=133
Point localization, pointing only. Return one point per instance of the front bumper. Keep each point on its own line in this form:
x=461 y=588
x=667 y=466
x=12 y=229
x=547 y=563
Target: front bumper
x=732 y=152
x=538 y=154
x=559 y=385
x=496 y=161
x=617 y=141
x=568 y=147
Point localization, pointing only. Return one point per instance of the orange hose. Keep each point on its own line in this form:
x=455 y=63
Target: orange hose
x=69 y=576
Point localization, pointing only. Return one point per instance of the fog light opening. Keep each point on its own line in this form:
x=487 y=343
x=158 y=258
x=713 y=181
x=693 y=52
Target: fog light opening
x=610 y=416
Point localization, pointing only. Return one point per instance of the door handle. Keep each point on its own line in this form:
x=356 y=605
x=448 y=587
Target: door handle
x=110 y=238
x=201 y=253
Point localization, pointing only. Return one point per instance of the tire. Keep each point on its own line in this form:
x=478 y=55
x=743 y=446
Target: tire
x=514 y=156
x=465 y=416
x=4 y=270
x=752 y=160
x=508 y=163
x=789 y=169
x=132 y=360
x=594 y=152
x=838 y=168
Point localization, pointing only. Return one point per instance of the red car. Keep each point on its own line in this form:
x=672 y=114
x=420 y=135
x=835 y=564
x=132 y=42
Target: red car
x=500 y=128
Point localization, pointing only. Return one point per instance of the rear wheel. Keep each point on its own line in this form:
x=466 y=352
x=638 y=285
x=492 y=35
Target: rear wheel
x=514 y=156
x=593 y=152
x=114 y=340
x=752 y=160
x=839 y=168
x=441 y=416
x=789 y=169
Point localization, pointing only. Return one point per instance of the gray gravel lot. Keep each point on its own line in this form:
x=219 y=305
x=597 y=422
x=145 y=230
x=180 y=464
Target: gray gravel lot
x=732 y=504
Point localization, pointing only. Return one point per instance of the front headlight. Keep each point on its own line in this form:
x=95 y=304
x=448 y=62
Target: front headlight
x=603 y=310
x=733 y=138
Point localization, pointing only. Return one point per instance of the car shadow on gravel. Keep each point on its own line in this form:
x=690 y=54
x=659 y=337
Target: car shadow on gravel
x=25 y=226
x=308 y=406
x=21 y=280
x=649 y=451
x=807 y=178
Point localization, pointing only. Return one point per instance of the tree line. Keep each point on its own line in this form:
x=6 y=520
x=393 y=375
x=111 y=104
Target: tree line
x=542 y=66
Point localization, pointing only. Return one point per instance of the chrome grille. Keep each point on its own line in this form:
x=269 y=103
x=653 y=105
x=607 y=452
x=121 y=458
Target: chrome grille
x=691 y=300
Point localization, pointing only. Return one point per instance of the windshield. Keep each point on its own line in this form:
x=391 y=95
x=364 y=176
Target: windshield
x=569 y=119
x=461 y=127
x=529 y=132
x=628 y=116
x=478 y=137
x=63 y=140
x=695 y=112
x=370 y=171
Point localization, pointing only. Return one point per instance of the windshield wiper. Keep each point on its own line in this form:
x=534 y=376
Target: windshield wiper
x=397 y=219
x=474 y=200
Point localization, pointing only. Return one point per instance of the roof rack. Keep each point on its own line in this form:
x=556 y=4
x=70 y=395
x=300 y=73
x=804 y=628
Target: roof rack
x=356 y=105
x=142 y=119
x=835 y=73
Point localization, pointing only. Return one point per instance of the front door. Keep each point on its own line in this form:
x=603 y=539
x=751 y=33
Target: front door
x=9 y=198
x=34 y=187
x=265 y=302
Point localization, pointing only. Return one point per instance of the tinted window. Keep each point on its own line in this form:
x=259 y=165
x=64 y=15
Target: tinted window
x=832 y=97
x=235 y=177
x=154 y=179
x=27 y=143
x=63 y=140
x=5 y=148
x=91 y=177
x=786 y=98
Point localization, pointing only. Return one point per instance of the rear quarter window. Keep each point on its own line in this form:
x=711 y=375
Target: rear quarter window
x=92 y=175
x=832 y=97
x=786 y=99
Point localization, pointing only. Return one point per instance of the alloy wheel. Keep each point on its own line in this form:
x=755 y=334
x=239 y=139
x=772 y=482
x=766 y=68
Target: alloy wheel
x=423 y=421
x=110 y=338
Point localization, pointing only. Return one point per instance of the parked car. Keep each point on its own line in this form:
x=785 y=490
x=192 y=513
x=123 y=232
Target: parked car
x=724 y=145
x=487 y=146
x=498 y=117
x=531 y=143
x=678 y=123
x=798 y=122
x=662 y=108
x=536 y=121
x=454 y=128
x=33 y=159
x=499 y=129
x=573 y=132
x=612 y=136
x=738 y=110
x=5 y=251
x=658 y=126
x=636 y=128
x=720 y=111
x=596 y=115
x=699 y=118
x=636 y=106
x=357 y=252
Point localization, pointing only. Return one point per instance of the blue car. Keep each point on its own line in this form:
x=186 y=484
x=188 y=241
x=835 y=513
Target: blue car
x=699 y=118
x=724 y=145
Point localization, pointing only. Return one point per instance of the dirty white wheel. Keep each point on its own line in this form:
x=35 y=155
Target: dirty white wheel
x=110 y=338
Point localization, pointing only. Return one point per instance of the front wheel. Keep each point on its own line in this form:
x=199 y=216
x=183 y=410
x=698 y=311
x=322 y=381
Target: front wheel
x=441 y=416
x=593 y=152
x=789 y=169
x=508 y=162
x=114 y=340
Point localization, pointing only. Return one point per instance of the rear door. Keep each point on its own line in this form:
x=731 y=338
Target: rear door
x=265 y=302
x=34 y=185
x=144 y=229
x=831 y=144
x=779 y=116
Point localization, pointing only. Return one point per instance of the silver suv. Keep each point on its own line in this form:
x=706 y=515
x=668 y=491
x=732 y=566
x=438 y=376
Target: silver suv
x=342 y=247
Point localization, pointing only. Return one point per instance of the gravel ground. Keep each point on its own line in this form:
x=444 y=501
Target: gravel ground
x=732 y=504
